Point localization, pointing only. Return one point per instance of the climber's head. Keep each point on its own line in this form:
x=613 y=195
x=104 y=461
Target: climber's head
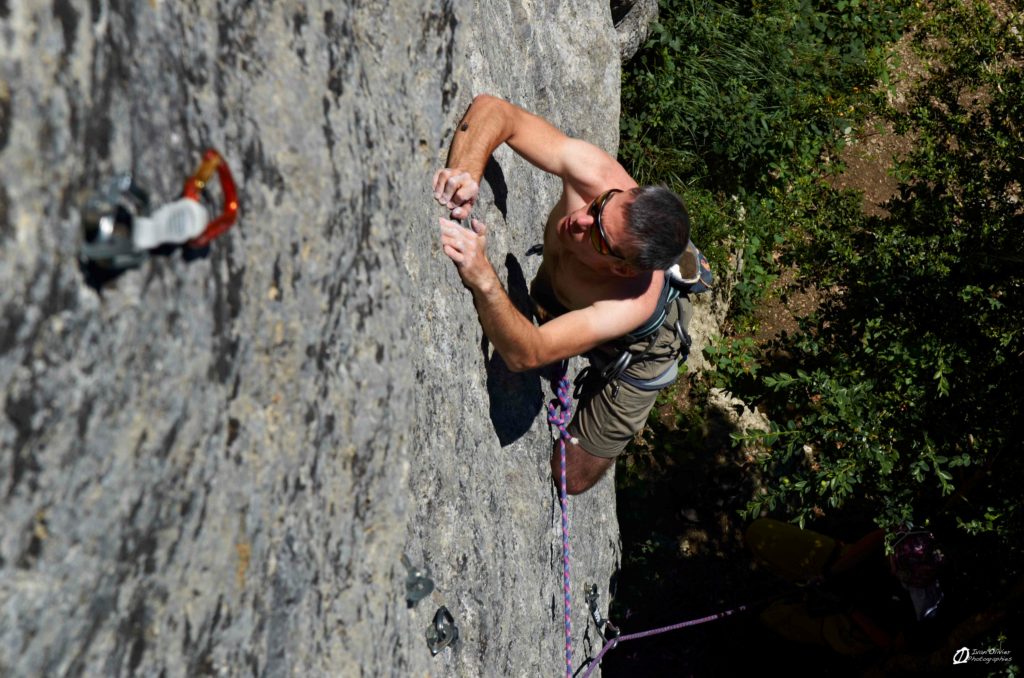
x=642 y=229
x=916 y=560
x=657 y=228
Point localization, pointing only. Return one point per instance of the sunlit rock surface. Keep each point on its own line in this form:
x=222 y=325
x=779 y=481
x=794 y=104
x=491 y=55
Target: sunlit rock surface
x=213 y=464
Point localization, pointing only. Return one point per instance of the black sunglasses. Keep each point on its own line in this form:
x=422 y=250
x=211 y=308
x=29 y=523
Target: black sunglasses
x=598 y=238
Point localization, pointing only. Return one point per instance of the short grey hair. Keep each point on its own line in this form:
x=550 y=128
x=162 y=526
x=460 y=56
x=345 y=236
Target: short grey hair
x=658 y=228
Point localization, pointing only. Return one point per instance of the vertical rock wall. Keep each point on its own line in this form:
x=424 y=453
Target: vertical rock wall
x=212 y=464
x=486 y=517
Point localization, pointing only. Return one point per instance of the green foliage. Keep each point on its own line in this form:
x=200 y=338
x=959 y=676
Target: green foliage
x=761 y=231
x=734 y=358
x=910 y=387
x=899 y=397
x=732 y=105
x=909 y=373
x=734 y=94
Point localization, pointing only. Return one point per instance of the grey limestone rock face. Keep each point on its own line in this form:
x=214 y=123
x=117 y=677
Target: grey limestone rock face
x=634 y=25
x=214 y=463
x=488 y=523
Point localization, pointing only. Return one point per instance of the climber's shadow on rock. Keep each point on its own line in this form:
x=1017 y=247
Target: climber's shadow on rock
x=515 y=397
x=495 y=178
x=98 y=276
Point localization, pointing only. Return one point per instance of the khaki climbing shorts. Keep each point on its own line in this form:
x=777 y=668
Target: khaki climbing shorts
x=609 y=414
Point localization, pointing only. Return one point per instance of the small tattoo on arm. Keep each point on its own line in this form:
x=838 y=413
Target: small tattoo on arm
x=463 y=127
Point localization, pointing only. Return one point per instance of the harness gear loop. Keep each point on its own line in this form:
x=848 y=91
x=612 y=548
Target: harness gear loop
x=194 y=185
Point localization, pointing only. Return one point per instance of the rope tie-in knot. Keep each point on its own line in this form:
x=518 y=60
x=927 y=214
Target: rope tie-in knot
x=559 y=416
x=560 y=409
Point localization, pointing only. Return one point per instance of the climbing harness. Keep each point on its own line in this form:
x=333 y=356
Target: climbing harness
x=119 y=230
x=614 y=371
x=690 y=275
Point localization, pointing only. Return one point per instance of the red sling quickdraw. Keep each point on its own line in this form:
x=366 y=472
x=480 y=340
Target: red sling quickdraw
x=194 y=185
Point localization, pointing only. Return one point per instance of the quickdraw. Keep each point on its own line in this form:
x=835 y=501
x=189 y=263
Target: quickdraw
x=120 y=230
x=194 y=185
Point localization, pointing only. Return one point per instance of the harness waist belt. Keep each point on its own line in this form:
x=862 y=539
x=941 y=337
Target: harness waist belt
x=654 y=383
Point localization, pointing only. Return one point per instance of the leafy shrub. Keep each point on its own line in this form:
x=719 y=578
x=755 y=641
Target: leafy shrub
x=911 y=381
x=734 y=93
x=899 y=398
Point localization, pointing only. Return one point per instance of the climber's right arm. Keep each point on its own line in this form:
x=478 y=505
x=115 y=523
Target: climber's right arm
x=523 y=345
x=490 y=122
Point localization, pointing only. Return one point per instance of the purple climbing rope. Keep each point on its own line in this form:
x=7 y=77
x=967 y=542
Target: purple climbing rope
x=559 y=415
x=653 y=632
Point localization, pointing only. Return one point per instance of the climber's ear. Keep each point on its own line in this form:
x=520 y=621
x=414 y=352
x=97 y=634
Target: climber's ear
x=624 y=269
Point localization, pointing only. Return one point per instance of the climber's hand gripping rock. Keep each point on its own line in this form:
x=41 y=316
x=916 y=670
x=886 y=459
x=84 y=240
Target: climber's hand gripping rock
x=457 y=190
x=466 y=248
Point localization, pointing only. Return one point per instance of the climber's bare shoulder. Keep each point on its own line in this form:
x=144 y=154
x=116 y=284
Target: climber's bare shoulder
x=585 y=168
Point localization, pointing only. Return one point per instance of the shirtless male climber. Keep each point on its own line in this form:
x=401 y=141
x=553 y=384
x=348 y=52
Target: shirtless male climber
x=607 y=244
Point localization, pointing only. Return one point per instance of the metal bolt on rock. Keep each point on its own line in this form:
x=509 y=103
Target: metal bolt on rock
x=418 y=584
x=442 y=632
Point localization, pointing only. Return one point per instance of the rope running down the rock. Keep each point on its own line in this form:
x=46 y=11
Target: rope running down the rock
x=653 y=632
x=559 y=415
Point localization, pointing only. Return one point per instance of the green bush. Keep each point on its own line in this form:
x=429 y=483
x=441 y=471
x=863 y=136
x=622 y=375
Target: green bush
x=899 y=398
x=912 y=381
x=732 y=94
